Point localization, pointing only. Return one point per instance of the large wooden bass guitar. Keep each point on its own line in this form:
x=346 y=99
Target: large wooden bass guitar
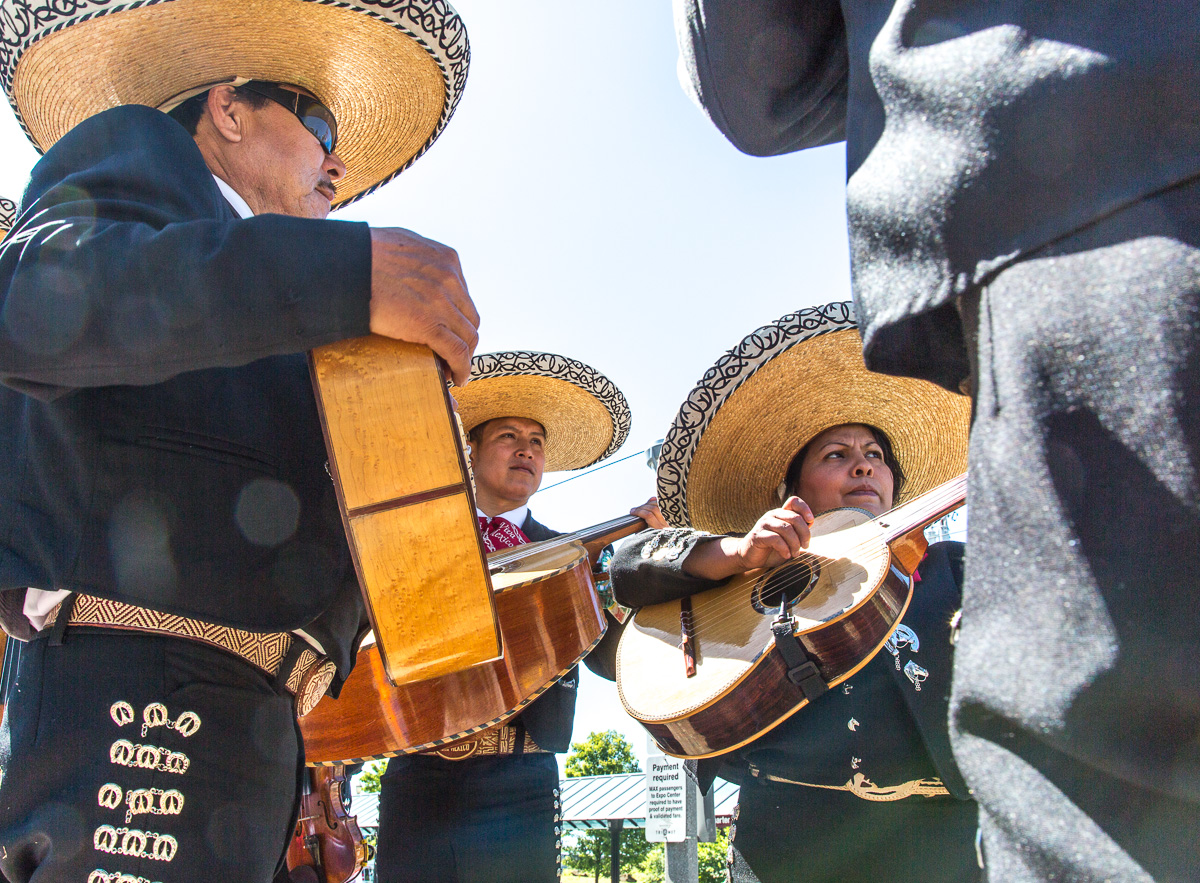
x=714 y=671
x=550 y=617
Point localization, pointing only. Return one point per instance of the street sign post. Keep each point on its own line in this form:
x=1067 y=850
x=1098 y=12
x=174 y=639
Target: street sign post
x=666 y=799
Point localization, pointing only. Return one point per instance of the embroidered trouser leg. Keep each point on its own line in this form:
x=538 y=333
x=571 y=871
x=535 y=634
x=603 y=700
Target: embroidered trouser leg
x=141 y=758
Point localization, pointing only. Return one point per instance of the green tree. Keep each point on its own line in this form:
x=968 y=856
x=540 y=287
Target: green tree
x=713 y=857
x=654 y=865
x=367 y=781
x=604 y=754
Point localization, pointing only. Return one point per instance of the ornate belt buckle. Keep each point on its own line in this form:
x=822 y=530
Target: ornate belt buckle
x=459 y=750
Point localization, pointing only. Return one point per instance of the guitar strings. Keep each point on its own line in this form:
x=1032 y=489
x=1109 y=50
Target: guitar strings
x=723 y=602
x=516 y=553
x=729 y=600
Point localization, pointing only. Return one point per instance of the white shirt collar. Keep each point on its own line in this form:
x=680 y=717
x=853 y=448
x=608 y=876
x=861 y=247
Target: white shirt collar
x=516 y=516
x=239 y=205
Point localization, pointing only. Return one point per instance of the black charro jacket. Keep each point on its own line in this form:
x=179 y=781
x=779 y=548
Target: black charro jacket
x=159 y=441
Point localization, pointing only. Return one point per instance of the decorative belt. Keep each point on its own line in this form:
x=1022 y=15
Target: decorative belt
x=494 y=742
x=308 y=675
x=862 y=787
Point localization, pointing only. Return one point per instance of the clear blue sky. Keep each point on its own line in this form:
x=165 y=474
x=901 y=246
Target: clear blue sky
x=599 y=214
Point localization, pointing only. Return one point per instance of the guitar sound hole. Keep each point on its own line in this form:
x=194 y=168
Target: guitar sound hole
x=796 y=578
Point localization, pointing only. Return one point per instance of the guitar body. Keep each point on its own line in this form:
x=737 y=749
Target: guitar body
x=549 y=618
x=847 y=601
x=395 y=455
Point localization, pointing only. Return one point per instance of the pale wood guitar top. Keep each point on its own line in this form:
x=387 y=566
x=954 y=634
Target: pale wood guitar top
x=730 y=634
x=406 y=503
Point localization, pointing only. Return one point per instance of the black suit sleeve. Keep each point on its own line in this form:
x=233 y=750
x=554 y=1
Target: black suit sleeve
x=648 y=567
x=126 y=266
x=773 y=75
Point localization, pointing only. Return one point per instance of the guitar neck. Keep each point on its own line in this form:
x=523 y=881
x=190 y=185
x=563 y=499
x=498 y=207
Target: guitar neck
x=923 y=511
x=593 y=539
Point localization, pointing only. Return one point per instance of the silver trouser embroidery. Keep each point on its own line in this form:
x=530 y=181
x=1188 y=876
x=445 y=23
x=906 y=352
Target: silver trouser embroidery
x=135 y=842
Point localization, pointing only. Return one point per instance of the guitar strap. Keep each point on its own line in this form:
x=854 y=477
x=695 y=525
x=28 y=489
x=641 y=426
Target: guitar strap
x=801 y=670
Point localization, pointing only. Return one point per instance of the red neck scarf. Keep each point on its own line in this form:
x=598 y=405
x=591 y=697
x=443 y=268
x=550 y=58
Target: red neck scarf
x=500 y=533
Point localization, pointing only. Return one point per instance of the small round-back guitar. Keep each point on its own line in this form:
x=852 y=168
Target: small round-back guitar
x=714 y=671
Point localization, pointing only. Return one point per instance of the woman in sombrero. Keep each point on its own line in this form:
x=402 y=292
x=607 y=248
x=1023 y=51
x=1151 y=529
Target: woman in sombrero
x=787 y=425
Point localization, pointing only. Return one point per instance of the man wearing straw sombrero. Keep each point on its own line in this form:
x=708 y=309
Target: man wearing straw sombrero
x=487 y=810
x=163 y=488
x=860 y=784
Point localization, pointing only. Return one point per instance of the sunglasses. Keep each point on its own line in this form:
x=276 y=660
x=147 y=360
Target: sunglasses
x=314 y=116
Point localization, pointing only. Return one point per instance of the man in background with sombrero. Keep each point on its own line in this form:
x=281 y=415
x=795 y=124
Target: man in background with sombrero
x=859 y=785
x=163 y=488
x=487 y=810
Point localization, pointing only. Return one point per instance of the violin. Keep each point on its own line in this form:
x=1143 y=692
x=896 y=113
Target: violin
x=327 y=837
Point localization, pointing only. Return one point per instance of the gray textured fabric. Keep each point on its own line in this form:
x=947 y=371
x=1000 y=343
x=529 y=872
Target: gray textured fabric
x=1076 y=703
x=1029 y=162
x=976 y=132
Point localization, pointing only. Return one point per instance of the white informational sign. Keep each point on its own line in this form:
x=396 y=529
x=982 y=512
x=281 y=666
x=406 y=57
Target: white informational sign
x=666 y=802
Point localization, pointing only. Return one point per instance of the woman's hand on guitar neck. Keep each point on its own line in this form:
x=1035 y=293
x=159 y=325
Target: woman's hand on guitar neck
x=418 y=294
x=777 y=537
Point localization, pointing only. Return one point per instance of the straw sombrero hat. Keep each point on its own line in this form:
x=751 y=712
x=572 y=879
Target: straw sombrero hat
x=753 y=411
x=585 y=416
x=391 y=71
